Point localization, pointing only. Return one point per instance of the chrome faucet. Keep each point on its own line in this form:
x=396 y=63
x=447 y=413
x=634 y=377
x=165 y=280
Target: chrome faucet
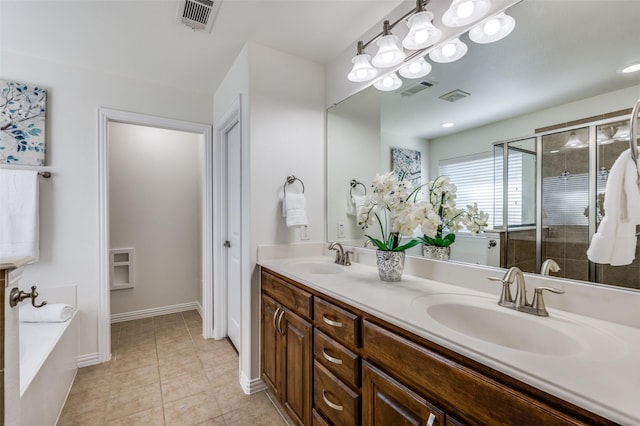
x=520 y=303
x=342 y=256
x=549 y=265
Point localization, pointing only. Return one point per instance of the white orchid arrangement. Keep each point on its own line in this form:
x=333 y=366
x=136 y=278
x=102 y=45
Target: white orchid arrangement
x=390 y=205
x=442 y=198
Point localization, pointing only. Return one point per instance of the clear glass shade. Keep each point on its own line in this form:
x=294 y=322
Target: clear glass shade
x=416 y=69
x=464 y=12
x=362 y=69
x=492 y=30
x=388 y=83
x=422 y=33
x=449 y=52
x=389 y=54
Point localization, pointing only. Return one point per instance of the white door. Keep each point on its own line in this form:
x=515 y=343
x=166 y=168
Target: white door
x=233 y=187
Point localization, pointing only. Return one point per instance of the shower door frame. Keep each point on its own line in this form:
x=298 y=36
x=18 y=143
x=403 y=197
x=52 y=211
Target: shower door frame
x=592 y=126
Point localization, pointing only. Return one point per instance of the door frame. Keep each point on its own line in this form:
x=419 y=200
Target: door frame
x=106 y=115
x=227 y=121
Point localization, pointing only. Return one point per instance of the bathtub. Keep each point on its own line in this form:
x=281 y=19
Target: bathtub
x=48 y=365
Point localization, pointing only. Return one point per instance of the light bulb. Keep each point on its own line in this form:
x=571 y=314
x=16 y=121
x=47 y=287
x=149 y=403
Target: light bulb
x=464 y=10
x=416 y=69
x=493 y=30
x=449 y=52
x=389 y=54
x=388 y=83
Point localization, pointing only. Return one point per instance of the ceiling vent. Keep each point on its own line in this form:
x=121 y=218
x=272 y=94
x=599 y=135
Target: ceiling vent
x=416 y=88
x=455 y=95
x=198 y=14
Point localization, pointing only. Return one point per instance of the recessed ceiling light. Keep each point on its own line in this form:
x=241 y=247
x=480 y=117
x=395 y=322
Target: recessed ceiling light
x=447 y=124
x=630 y=68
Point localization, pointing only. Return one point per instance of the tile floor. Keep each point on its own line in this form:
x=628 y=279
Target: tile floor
x=164 y=373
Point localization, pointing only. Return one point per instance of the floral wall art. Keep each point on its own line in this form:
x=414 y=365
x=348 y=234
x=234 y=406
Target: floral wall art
x=22 y=123
x=407 y=161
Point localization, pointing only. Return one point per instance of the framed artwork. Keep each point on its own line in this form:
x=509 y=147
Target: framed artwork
x=22 y=123
x=409 y=162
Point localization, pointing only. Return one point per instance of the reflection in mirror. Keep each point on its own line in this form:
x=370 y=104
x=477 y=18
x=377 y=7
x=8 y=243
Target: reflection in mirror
x=539 y=76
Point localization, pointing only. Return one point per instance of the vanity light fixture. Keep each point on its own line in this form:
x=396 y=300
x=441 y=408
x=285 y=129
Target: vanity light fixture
x=464 y=12
x=362 y=69
x=389 y=54
x=415 y=69
x=493 y=30
x=424 y=37
x=422 y=33
x=449 y=52
x=574 y=142
x=388 y=83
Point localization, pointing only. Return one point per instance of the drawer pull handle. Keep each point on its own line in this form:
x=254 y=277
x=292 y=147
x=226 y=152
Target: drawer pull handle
x=330 y=358
x=331 y=322
x=431 y=420
x=331 y=404
x=280 y=322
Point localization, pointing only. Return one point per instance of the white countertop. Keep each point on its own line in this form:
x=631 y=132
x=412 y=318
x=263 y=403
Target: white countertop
x=600 y=372
x=14 y=262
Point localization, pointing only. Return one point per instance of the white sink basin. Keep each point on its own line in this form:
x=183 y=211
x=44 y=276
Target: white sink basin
x=318 y=267
x=482 y=319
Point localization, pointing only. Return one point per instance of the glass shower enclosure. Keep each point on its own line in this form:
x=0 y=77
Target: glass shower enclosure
x=550 y=192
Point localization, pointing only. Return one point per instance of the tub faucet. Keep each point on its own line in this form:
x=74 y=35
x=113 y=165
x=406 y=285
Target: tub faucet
x=520 y=303
x=342 y=257
x=549 y=265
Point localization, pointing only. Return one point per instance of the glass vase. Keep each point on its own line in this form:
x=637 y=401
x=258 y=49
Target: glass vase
x=390 y=265
x=435 y=252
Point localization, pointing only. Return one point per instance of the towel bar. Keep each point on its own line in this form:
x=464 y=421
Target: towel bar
x=45 y=175
x=290 y=180
x=354 y=183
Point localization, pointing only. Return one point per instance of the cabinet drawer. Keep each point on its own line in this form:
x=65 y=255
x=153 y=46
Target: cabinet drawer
x=318 y=420
x=294 y=298
x=337 y=323
x=333 y=399
x=338 y=359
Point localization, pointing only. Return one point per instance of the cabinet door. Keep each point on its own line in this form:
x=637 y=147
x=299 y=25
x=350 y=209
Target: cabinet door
x=388 y=402
x=271 y=351
x=298 y=338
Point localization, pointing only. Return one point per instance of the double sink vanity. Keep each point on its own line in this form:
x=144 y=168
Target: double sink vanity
x=339 y=346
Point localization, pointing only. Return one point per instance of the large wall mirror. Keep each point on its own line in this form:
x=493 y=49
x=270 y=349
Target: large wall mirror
x=560 y=65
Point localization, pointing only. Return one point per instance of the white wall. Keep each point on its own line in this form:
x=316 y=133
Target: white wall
x=283 y=134
x=69 y=201
x=482 y=138
x=154 y=208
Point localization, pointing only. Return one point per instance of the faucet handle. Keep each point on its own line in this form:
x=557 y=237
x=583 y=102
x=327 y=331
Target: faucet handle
x=538 y=302
x=347 y=259
x=505 y=297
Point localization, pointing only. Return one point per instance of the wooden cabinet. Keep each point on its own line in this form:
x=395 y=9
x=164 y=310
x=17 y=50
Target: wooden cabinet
x=386 y=401
x=286 y=346
x=329 y=363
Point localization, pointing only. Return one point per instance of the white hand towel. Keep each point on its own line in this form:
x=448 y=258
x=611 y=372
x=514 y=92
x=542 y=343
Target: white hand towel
x=615 y=241
x=354 y=203
x=294 y=208
x=54 y=312
x=19 y=213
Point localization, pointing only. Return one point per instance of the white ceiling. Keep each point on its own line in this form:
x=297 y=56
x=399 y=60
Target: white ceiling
x=141 y=39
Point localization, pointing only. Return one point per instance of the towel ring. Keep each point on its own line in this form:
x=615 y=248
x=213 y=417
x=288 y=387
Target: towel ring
x=290 y=180
x=354 y=183
x=633 y=131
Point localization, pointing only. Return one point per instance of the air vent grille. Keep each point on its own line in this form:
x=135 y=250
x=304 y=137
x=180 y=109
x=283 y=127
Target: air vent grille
x=198 y=14
x=455 y=95
x=417 y=87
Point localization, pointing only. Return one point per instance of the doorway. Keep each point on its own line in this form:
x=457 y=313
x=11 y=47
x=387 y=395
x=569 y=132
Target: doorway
x=107 y=116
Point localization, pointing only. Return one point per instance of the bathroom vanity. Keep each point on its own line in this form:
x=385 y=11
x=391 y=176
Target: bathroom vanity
x=340 y=347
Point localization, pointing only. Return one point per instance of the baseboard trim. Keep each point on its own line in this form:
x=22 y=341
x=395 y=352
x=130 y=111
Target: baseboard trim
x=200 y=310
x=154 y=312
x=88 y=359
x=250 y=386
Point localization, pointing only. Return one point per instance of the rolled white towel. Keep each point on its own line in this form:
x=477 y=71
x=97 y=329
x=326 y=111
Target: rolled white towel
x=54 y=312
